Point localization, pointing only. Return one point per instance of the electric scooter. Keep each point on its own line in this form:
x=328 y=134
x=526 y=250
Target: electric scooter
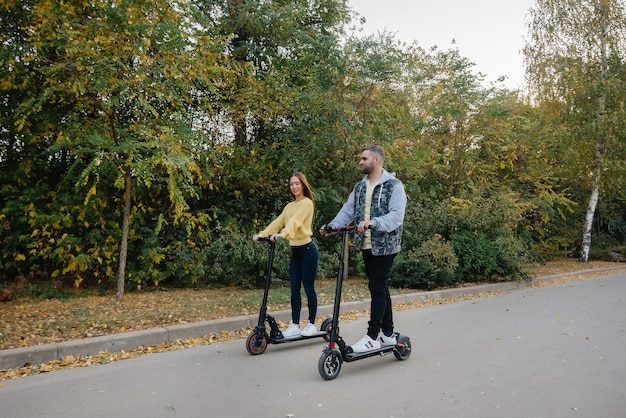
x=257 y=341
x=337 y=352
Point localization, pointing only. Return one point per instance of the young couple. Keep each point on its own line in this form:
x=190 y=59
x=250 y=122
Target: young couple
x=376 y=206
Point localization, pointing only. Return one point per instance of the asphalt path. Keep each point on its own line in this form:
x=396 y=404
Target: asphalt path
x=552 y=351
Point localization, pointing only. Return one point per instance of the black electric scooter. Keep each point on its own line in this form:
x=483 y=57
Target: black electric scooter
x=257 y=341
x=333 y=356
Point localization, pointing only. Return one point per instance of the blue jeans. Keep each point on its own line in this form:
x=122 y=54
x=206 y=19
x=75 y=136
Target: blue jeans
x=302 y=271
x=377 y=269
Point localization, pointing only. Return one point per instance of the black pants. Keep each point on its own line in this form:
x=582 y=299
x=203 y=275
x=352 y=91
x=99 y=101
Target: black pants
x=377 y=269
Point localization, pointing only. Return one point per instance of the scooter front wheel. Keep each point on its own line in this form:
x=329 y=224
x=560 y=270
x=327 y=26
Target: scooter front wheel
x=329 y=364
x=256 y=344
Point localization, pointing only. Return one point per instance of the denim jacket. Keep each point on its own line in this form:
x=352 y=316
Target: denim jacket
x=386 y=213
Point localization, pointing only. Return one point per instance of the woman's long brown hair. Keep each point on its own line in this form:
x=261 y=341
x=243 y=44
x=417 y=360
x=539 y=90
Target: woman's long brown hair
x=306 y=187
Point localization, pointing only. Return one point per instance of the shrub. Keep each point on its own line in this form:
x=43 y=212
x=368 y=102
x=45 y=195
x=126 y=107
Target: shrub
x=430 y=266
x=432 y=218
x=235 y=260
x=439 y=253
x=511 y=257
x=607 y=252
x=411 y=273
x=477 y=256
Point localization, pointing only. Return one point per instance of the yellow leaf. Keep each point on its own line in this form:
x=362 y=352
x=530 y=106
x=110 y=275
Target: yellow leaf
x=91 y=192
x=68 y=360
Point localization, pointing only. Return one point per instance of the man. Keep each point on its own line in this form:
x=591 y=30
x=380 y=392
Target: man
x=376 y=205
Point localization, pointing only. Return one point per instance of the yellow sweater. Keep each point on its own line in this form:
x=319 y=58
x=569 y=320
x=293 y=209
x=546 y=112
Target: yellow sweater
x=296 y=220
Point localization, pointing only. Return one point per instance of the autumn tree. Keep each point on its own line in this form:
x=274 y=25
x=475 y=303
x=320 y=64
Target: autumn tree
x=575 y=59
x=153 y=137
x=279 y=44
x=289 y=54
x=121 y=78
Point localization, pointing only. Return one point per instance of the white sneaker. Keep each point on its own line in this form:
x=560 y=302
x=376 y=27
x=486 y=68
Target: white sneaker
x=365 y=344
x=384 y=340
x=309 y=330
x=291 y=331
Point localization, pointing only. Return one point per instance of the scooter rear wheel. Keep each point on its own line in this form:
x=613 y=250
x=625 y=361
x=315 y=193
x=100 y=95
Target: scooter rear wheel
x=327 y=326
x=256 y=344
x=404 y=352
x=329 y=364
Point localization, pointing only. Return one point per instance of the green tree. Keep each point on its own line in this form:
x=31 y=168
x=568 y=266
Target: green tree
x=274 y=118
x=575 y=58
x=450 y=96
x=122 y=78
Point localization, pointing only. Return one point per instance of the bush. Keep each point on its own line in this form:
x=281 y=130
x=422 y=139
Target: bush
x=432 y=218
x=428 y=267
x=477 y=256
x=47 y=290
x=235 y=260
x=511 y=257
x=608 y=252
x=328 y=265
x=411 y=273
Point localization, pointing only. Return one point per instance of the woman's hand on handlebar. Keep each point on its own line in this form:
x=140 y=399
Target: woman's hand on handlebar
x=272 y=238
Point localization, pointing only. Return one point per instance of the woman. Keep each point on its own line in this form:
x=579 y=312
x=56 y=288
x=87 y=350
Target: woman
x=296 y=221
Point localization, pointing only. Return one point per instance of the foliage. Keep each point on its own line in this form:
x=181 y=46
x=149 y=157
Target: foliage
x=234 y=259
x=155 y=138
x=477 y=256
x=512 y=255
x=428 y=267
x=575 y=65
x=114 y=75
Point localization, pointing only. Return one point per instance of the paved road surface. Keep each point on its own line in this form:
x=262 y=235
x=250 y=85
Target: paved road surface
x=556 y=351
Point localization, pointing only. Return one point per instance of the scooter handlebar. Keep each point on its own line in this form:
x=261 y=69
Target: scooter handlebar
x=332 y=230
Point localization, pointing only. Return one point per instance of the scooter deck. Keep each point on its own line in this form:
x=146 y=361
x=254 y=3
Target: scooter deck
x=384 y=349
x=297 y=338
x=371 y=353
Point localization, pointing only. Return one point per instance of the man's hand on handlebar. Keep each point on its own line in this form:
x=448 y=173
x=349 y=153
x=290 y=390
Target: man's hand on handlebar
x=326 y=231
x=364 y=226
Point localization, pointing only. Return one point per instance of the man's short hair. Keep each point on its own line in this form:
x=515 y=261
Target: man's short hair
x=376 y=149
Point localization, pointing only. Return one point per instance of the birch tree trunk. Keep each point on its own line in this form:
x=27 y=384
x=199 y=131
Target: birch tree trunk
x=591 y=210
x=600 y=148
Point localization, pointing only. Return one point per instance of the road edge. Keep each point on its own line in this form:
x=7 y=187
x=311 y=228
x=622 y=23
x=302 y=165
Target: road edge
x=19 y=357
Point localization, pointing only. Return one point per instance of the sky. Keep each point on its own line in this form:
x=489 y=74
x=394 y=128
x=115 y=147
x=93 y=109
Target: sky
x=490 y=33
